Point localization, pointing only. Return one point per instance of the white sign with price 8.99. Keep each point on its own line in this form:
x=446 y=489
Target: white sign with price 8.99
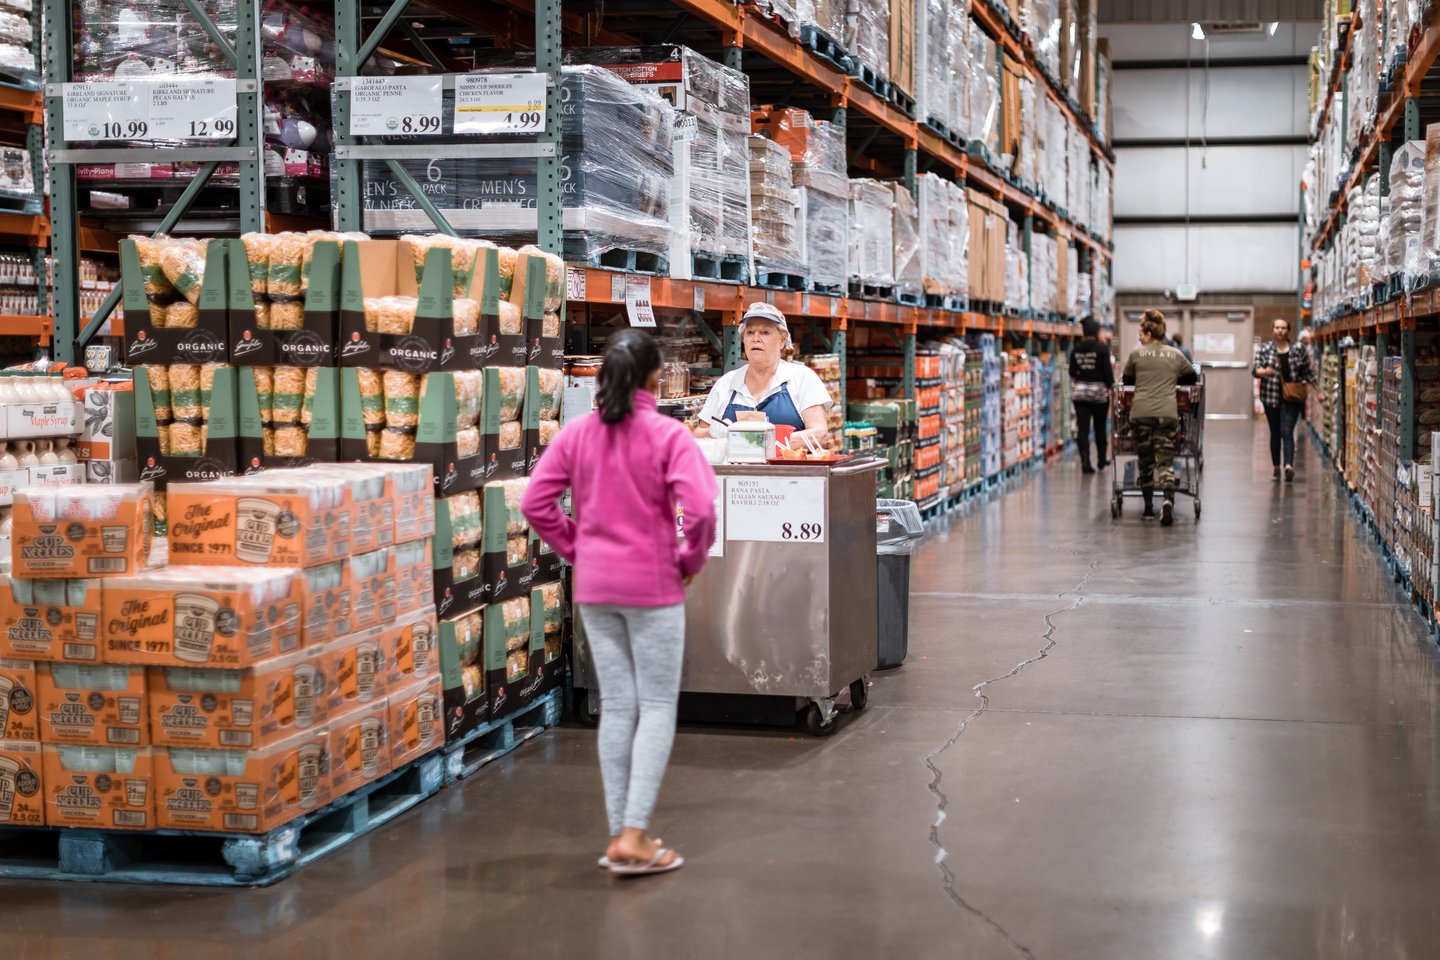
x=390 y=106
x=775 y=509
x=500 y=103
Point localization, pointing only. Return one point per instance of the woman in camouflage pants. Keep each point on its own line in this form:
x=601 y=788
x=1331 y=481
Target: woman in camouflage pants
x=1154 y=369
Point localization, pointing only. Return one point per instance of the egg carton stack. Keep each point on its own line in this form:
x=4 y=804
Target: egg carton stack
x=286 y=655
x=617 y=170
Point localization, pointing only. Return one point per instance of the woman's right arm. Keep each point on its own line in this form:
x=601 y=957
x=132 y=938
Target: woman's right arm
x=541 y=503
x=693 y=489
x=1256 y=370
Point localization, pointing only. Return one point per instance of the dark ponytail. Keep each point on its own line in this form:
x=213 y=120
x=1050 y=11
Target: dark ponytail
x=631 y=356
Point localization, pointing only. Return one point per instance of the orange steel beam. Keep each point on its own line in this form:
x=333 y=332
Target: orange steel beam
x=23 y=325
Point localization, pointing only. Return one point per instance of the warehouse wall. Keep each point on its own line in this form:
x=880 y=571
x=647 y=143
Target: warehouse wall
x=1237 y=181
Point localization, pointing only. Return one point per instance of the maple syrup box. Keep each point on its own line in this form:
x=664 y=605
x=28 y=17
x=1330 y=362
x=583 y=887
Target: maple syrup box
x=507 y=640
x=283 y=518
x=170 y=449
x=435 y=439
x=239 y=709
x=107 y=788
x=251 y=791
x=294 y=428
x=462 y=669
x=310 y=322
x=22 y=783
x=161 y=324
x=406 y=307
x=81 y=531
x=103 y=705
x=202 y=617
x=359 y=747
x=54 y=620
x=415 y=720
x=19 y=719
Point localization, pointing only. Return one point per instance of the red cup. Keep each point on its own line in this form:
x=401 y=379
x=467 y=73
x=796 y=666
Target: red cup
x=782 y=434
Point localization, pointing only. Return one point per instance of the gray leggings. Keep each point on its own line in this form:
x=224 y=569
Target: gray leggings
x=637 y=653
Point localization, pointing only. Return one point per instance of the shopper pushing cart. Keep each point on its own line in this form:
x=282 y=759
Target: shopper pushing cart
x=1148 y=422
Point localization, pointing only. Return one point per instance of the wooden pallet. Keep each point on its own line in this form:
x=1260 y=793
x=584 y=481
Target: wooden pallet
x=200 y=858
x=491 y=741
x=631 y=261
x=775 y=280
x=725 y=267
x=825 y=47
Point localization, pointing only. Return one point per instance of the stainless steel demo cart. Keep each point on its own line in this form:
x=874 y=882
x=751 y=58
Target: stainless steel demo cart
x=786 y=609
x=1189 y=446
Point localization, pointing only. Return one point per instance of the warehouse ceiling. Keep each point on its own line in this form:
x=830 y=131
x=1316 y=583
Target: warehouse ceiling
x=1208 y=11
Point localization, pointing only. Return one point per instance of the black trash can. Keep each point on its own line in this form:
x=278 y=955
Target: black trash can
x=897 y=529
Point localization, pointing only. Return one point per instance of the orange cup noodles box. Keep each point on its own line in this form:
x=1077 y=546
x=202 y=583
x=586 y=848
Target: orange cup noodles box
x=81 y=530
x=416 y=720
x=357 y=664
x=410 y=649
x=370 y=500
x=277 y=518
x=238 y=709
x=18 y=718
x=50 y=619
x=414 y=493
x=414 y=576
x=100 y=704
x=359 y=746
x=99 y=787
x=329 y=600
x=372 y=588
x=243 y=791
x=22 y=794
x=226 y=617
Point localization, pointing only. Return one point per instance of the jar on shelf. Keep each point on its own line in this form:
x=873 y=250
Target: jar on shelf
x=674 y=380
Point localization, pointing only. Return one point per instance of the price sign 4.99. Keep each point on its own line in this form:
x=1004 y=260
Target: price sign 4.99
x=500 y=103
x=775 y=509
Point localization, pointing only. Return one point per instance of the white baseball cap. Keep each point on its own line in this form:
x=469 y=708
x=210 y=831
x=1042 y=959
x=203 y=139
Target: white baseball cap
x=767 y=311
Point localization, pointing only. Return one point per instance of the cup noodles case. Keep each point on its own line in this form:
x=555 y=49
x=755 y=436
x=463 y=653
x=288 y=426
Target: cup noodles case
x=410 y=649
x=22 y=795
x=50 y=619
x=18 y=719
x=239 y=709
x=357 y=664
x=415 y=720
x=278 y=518
x=243 y=791
x=359 y=747
x=79 y=531
x=98 y=704
x=99 y=787
x=224 y=617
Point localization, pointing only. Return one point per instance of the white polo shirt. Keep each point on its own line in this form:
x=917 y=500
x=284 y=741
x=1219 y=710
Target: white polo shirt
x=806 y=390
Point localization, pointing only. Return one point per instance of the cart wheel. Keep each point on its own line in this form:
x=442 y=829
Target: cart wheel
x=815 y=721
x=860 y=694
x=1197 y=508
x=582 y=709
x=1117 y=506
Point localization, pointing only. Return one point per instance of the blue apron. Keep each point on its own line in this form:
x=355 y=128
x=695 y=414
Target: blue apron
x=778 y=408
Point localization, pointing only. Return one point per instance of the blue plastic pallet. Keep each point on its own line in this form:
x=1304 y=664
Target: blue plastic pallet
x=202 y=858
x=491 y=741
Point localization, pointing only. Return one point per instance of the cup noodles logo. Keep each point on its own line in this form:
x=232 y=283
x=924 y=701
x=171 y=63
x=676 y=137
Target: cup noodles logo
x=48 y=546
x=72 y=713
x=184 y=716
x=198 y=520
x=79 y=796
x=189 y=799
x=30 y=629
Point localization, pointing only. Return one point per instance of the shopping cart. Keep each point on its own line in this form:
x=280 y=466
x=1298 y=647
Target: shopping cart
x=1189 y=446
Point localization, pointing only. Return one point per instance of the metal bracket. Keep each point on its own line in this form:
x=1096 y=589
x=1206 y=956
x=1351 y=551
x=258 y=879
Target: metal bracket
x=443 y=151
x=382 y=29
x=413 y=188
x=153 y=155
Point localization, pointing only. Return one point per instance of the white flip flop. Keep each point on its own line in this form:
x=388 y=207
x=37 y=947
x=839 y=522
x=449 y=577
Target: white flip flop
x=604 y=862
x=645 y=869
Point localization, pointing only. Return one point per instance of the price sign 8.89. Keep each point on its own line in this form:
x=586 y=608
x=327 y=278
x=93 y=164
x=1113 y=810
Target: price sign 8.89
x=775 y=509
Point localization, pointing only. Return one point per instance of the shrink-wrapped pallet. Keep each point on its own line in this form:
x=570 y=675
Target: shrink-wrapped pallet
x=772 y=209
x=872 y=244
x=906 y=220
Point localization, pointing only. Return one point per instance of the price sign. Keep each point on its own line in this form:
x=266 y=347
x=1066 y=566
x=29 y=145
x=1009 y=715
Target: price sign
x=192 y=109
x=106 y=111
x=500 y=103
x=637 y=302
x=775 y=509
x=395 y=106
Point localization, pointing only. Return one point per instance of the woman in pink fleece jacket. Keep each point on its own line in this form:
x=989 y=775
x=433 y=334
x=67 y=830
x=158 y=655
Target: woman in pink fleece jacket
x=629 y=468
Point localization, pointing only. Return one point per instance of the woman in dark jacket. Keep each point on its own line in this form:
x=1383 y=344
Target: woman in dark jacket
x=1091 y=377
x=1279 y=362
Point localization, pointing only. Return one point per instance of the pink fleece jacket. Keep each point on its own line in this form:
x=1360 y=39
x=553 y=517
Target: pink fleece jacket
x=626 y=479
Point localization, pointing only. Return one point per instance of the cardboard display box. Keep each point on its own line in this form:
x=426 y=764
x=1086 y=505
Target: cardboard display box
x=508 y=637
x=314 y=343
x=458 y=582
x=544 y=395
x=19 y=720
x=317 y=421
x=288 y=520
x=53 y=620
x=508 y=562
x=81 y=531
x=218 y=455
x=462 y=670
x=547 y=609
x=108 y=788
x=148 y=339
x=103 y=705
x=22 y=784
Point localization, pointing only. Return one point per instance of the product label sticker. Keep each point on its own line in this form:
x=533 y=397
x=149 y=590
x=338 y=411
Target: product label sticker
x=775 y=509
x=637 y=302
x=395 y=106
x=574 y=283
x=192 y=108
x=500 y=103
x=106 y=111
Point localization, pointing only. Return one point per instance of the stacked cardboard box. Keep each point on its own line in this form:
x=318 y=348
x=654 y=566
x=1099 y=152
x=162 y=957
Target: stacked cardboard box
x=818 y=163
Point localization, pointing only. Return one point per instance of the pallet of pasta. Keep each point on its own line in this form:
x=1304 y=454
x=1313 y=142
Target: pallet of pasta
x=433 y=303
x=186 y=421
x=509 y=550
x=512 y=678
x=544 y=393
x=284 y=297
x=462 y=671
x=455 y=562
x=175 y=299
x=289 y=416
x=502 y=427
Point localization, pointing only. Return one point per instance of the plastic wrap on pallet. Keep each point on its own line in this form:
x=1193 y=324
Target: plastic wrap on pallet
x=872 y=248
x=617 y=163
x=828 y=15
x=936 y=261
x=1017 y=270
x=936 y=100
x=772 y=208
x=1401 y=16
x=826 y=237
x=1407 y=213
x=958 y=39
x=823 y=161
x=1040 y=19
x=710 y=191
x=983 y=89
x=868 y=26
x=906 y=237
x=1363 y=223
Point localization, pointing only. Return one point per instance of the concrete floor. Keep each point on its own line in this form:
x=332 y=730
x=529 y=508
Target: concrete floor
x=1230 y=751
